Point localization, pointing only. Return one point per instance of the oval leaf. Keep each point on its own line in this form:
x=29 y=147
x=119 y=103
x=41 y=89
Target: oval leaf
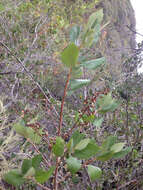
x=77 y=137
x=26 y=165
x=95 y=18
x=82 y=144
x=36 y=160
x=122 y=153
x=90 y=150
x=33 y=136
x=70 y=146
x=14 y=177
x=110 y=141
x=30 y=172
x=78 y=83
x=74 y=33
x=106 y=103
x=93 y=64
x=43 y=176
x=70 y=55
x=94 y=172
x=117 y=147
x=98 y=122
x=73 y=164
x=20 y=128
x=58 y=148
x=104 y=156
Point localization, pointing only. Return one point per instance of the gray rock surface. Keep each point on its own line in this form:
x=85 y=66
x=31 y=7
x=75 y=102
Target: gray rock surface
x=117 y=40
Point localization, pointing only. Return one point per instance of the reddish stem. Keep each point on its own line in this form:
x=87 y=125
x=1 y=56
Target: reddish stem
x=62 y=104
x=60 y=127
x=56 y=174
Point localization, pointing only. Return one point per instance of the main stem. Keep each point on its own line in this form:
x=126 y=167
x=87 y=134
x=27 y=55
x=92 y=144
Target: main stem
x=62 y=104
x=60 y=127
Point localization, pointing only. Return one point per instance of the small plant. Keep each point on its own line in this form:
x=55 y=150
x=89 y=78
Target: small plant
x=75 y=149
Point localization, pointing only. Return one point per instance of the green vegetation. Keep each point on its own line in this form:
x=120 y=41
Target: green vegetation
x=45 y=142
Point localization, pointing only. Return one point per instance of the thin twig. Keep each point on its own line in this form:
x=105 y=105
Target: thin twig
x=135 y=32
x=75 y=124
x=127 y=184
x=8 y=73
x=30 y=76
x=40 y=185
x=28 y=53
x=44 y=158
x=16 y=84
x=65 y=177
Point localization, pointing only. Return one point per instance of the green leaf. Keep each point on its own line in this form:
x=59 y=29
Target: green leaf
x=58 y=148
x=122 y=153
x=77 y=137
x=74 y=34
x=111 y=140
x=104 y=156
x=93 y=64
x=89 y=38
x=95 y=18
x=27 y=132
x=14 y=177
x=70 y=146
x=33 y=136
x=117 y=147
x=43 y=176
x=98 y=122
x=70 y=55
x=92 y=29
x=36 y=160
x=73 y=164
x=77 y=72
x=89 y=151
x=82 y=144
x=94 y=172
x=78 y=83
x=20 y=128
x=30 y=173
x=88 y=118
x=97 y=33
x=26 y=165
x=106 y=103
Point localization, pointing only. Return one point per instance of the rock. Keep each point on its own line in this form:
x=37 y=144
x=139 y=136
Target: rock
x=117 y=40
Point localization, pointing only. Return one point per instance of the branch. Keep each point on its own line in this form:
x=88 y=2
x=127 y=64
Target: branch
x=8 y=73
x=30 y=76
x=60 y=127
x=127 y=184
x=40 y=185
x=56 y=174
x=75 y=124
x=44 y=158
x=135 y=32
x=62 y=104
